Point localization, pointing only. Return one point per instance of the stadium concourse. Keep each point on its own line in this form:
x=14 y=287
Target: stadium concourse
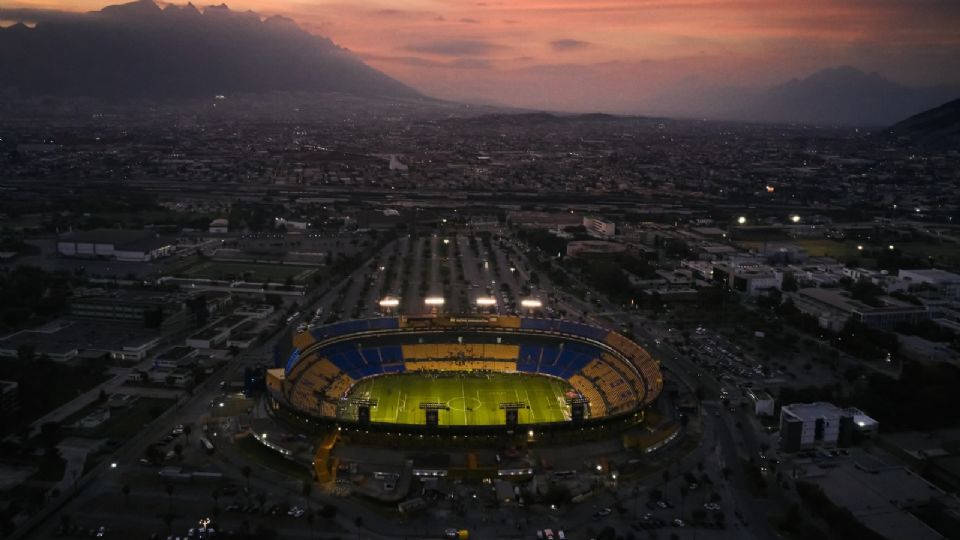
x=463 y=371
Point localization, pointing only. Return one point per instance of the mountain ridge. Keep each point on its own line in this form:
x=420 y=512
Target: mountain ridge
x=937 y=127
x=139 y=50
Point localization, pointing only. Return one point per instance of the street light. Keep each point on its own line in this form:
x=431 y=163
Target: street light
x=860 y=247
x=389 y=303
x=795 y=218
x=742 y=220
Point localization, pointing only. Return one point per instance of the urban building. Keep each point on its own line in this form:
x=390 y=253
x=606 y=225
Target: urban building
x=599 y=227
x=751 y=280
x=590 y=248
x=763 y=402
x=833 y=307
x=152 y=309
x=176 y=357
x=809 y=425
x=219 y=226
x=121 y=245
x=947 y=282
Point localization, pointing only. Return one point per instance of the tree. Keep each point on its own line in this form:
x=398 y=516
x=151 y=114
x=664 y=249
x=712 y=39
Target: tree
x=187 y=430
x=328 y=511
x=245 y=471
x=125 y=490
x=168 y=520
x=169 y=489
x=684 y=491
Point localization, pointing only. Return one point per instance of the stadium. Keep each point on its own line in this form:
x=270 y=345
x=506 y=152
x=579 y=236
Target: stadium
x=463 y=373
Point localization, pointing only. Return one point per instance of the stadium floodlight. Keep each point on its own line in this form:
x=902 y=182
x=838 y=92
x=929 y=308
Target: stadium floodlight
x=389 y=302
x=434 y=301
x=486 y=301
x=531 y=303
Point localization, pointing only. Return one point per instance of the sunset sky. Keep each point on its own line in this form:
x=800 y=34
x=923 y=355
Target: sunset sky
x=563 y=52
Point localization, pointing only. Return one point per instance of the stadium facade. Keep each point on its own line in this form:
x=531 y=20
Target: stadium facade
x=604 y=374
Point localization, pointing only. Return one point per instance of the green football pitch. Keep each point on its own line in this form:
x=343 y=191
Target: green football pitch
x=473 y=399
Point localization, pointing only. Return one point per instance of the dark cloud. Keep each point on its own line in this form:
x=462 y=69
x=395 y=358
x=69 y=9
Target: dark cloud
x=470 y=63
x=455 y=47
x=417 y=61
x=469 y=20
x=564 y=45
x=511 y=21
x=440 y=18
x=30 y=15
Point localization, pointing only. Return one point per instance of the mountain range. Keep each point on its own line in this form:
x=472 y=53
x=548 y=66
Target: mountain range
x=142 y=50
x=840 y=96
x=938 y=127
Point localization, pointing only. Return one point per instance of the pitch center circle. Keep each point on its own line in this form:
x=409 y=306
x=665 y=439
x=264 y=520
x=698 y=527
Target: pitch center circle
x=464 y=403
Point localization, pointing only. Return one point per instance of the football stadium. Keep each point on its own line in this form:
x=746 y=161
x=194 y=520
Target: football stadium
x=463 y=372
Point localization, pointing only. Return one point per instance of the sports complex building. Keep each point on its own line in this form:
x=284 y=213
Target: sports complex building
x=462 y=373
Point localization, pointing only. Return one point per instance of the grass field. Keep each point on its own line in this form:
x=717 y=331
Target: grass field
x=473 y=399
x=944 y=252
x=274 y=273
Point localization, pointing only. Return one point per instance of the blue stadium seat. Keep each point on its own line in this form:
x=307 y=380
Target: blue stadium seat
x=529 y=358
x=389 y=323
x=584 y=330
x=371 y=356
x=538 y=324
x=391 y=354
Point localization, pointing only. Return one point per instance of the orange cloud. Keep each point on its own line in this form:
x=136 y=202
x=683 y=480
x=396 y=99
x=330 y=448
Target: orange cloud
x=526 y=43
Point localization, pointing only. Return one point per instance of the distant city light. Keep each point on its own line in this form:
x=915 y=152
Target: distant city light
x=434 y=301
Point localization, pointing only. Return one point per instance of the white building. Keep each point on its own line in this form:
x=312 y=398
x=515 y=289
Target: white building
x=219 y=226
x=809 y=425
x=948 y=282
x=763 y=403
x=121 y=245
x=599 y=227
